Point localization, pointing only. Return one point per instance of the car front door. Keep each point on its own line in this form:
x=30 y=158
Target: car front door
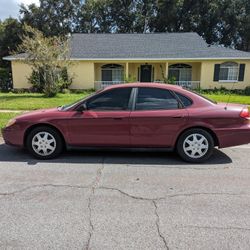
x=156 y=119
x=105 y=122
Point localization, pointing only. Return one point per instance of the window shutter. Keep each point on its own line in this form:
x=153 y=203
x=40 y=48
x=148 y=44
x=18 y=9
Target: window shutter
x=242 y=72
x=216 y=72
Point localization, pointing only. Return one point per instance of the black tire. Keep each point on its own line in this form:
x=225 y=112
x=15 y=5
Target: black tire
x=199 y=156
x=57 y=144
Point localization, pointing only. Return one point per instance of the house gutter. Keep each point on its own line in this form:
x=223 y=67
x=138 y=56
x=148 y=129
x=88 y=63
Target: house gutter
x=144 y=59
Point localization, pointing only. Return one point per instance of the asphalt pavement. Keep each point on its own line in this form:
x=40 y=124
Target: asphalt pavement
x=123 y=200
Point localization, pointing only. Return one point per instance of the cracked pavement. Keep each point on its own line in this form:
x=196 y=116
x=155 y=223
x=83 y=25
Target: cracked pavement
x=122 y=200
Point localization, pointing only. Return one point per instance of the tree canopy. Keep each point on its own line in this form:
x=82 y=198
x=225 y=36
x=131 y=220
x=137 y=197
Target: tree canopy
x=225 y=22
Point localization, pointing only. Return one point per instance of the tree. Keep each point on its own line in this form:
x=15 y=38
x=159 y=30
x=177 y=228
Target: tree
x=48 y=56
x=10 y=31
x=95 y=17
x=244 y=26
x=225 y=22
x=123 y=15
x=144 y=16
x=52 y=17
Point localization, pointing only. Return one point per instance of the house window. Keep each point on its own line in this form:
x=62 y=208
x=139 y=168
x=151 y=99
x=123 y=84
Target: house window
x=180 y=72
x=112 y=72
x=229 y=71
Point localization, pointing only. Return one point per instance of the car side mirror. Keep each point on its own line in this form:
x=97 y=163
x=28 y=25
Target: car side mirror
x=82 y=107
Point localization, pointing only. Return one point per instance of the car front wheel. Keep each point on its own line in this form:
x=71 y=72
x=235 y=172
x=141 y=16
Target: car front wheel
x=44 y=143
x=195 y=145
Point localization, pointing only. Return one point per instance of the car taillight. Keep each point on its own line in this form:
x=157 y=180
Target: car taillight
x=245 y=113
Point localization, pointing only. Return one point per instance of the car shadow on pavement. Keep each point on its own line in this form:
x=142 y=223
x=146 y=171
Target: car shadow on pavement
x=10 y=154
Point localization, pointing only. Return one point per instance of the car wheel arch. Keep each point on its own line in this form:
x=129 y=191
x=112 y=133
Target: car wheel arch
x=29 y=129
x=210 y=131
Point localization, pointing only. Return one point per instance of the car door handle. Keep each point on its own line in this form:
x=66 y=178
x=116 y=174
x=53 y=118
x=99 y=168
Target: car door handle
x=178 y=116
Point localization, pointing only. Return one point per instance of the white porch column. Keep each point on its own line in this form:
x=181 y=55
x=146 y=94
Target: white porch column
x=127 y=70
x=166 y=74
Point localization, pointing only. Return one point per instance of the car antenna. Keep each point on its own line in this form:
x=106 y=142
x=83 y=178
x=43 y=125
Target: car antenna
x=229 y=96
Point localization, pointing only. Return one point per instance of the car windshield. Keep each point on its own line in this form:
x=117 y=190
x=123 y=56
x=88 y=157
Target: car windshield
x=69 y=106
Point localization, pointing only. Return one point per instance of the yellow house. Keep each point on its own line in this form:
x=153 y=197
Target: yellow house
x=183 y=58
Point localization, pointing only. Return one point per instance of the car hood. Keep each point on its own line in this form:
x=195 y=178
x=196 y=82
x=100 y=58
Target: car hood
x=37 y=113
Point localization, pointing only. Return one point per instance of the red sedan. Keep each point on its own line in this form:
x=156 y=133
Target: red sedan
x=138 y=115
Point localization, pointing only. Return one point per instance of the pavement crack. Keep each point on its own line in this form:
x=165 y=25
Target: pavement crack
x=93 y=187
x=199 y=194
x=96 y=183
x=126 y=194
x=217 y=228
x=91 y=226
x=167 y=196
x=41 y=186
x=158 y=225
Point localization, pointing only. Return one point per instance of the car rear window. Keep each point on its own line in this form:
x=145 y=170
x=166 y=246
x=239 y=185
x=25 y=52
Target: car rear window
x=185 y=100
x=204 y=97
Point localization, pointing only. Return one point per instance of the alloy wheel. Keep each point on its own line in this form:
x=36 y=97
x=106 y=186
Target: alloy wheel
x=44 y=143
x=195 y=145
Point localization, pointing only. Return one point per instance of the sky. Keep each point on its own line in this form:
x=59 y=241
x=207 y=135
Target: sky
x=11 y=7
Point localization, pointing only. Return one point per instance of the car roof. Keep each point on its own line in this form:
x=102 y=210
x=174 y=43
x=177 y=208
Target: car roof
x=198 y=100
x=145 y=84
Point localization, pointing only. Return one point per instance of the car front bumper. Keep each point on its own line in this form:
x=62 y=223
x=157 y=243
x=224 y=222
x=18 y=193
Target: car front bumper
x=13 y=136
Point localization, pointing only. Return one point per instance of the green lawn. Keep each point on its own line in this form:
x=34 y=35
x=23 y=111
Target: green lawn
x=233 y=98
x=10 y=101
x=26 y=101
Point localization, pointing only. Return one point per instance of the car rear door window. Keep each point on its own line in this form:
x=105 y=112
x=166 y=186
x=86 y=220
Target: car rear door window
x=114 y=99
x=185 y=100
x=155 y=99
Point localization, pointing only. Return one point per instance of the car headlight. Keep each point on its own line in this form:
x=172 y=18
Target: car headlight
x=11 y=122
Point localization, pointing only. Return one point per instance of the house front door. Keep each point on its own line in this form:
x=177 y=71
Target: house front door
x=146 y=73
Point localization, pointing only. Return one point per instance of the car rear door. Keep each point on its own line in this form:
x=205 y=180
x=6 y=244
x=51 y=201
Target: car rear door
x=105 y=122
x=156 y=118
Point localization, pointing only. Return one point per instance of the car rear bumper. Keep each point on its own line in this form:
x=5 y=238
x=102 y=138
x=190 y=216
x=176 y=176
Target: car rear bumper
x=12 y=136
x=234 y=137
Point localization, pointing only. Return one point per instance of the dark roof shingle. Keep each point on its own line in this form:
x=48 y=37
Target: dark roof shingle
x=146 y=46
x=149 y=45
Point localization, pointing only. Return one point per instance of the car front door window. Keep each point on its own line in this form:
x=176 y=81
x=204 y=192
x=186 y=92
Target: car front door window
x=112 y=100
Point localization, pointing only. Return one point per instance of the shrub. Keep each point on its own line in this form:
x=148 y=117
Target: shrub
x=5 y=79
x=247 y=90
x=20 y=91
x=37 y=81
x=65 y=91
x=62 y=81
x=48 y=56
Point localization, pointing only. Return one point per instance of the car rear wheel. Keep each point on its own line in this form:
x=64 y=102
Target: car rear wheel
x=195 y=145
x=44 y=143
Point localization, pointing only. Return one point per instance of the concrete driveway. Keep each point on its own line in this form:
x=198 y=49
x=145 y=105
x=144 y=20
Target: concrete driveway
x=100 y=200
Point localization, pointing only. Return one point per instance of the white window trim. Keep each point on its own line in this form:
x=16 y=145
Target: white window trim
x=114 y=71
x=228 y=81
x=224 y=66
x=182 y=72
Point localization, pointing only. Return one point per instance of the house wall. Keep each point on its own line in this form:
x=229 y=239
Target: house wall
x=86 y=73
x=207 y=75
x=83 y=74
x=20 y=74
